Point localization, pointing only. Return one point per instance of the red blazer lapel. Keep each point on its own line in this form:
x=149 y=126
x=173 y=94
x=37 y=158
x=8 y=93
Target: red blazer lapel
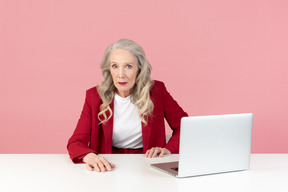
x=146 y=133
x=108 y=131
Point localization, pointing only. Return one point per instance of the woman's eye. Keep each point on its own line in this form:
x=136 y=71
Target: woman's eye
x=114 y=66
x=129 y=66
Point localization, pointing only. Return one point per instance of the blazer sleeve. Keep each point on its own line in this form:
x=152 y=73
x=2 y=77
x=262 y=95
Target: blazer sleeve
x=173 y=114
x=78 y=143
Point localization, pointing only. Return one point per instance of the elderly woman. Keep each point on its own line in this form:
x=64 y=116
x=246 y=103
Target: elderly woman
x=125 y=113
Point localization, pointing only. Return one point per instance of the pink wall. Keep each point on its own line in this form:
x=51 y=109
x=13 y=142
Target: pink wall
x=216 y=57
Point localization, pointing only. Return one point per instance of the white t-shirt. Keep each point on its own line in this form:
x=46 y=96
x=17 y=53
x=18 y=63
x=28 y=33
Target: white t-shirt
x=127 y=128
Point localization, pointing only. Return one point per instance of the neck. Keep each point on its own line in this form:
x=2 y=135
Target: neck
x=123 y=94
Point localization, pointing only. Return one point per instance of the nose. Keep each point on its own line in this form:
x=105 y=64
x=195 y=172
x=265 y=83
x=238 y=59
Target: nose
x=121 y=72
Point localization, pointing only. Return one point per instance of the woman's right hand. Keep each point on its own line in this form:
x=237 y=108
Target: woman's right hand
x=98 y=163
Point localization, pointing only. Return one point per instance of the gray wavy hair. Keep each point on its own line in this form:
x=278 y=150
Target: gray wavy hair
x=140 y=95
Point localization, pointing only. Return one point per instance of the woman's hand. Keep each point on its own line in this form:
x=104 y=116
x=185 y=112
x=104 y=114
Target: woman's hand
x=154 y=151
x=98 y=163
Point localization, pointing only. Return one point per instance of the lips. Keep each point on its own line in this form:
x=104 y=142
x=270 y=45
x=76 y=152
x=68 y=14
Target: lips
x=122 y=83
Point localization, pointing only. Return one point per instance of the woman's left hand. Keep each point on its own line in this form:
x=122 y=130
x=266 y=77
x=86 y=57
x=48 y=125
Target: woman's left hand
x=154 y=151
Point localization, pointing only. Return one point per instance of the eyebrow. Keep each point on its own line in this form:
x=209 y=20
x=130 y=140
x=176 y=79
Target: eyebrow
x=130 y=63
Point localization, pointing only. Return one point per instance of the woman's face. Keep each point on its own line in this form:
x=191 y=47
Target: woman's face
x=124 y=69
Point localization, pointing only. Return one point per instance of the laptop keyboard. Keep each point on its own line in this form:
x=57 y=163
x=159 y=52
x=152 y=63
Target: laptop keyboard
x=165 y=159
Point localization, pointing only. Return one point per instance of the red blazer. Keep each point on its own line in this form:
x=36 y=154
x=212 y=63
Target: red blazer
x=90 y=136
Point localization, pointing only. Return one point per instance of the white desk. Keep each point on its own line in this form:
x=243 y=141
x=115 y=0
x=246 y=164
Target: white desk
x=56 y=172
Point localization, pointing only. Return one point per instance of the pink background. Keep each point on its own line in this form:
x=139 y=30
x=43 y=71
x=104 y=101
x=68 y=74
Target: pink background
x=215 y=57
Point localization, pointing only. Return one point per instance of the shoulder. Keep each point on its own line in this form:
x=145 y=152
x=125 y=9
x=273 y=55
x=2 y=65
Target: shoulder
x=92 y=90
x=158 y=88
x=93 y=93
x=158 y=85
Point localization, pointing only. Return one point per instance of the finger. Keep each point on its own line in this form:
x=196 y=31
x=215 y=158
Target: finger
x=89 y=167
x=101 y=166
x=151 y=151
x=162 y=152
x=147 y=153
x=96 y=167
x=106 y=164
x=157 y=150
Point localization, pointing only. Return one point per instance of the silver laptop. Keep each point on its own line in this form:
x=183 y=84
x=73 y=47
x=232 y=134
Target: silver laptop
x=212 y=144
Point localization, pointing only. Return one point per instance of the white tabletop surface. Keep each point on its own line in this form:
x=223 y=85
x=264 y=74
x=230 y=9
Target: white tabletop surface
x=56 y=172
